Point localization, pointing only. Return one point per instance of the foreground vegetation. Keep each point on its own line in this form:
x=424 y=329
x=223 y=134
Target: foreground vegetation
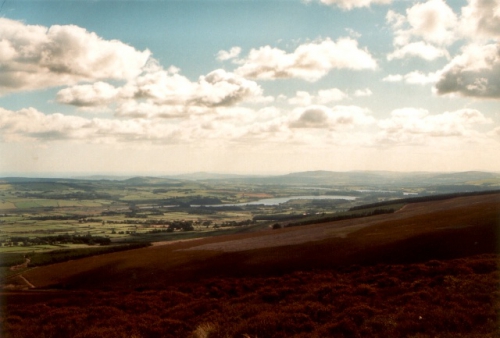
x=447 y=298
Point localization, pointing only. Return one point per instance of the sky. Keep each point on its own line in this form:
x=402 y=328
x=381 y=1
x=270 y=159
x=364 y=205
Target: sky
x=249 y=86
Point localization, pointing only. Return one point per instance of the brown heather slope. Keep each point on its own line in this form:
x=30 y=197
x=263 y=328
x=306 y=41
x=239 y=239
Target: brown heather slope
x=446 y=229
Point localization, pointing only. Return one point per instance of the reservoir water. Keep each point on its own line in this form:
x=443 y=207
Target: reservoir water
x=279 y=200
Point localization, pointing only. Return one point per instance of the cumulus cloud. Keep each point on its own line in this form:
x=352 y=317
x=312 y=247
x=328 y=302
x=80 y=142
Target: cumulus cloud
x=227 y=55
x=318 y=116
x=166 y=93
x=475 y=73
x=363 y=92
x=495 y=132
x=221 y=88
x=419 y=78
x=393 y=78
x=32 y=125
x=312 y=125
x=435 y=23
x=416 y=126
x=415 y=77
x=433 y=20
x=224 y=125
x=309 y=61
x=325 y=96
x=312 y=117
x=350 y=4
x=90 y=95
x=330 y=95
x=147 y=109
x=481 y=18
x=419 y=49
x=424 y=30
x=35 y=57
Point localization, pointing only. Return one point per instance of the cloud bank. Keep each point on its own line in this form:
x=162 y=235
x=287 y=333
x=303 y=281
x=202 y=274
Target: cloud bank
x=475 y=73
x=310 y=61
x=165 y=93
x=350 y=4
x=36 y=57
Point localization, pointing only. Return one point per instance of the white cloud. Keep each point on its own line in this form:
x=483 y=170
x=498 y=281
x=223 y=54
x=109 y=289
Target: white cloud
x=221 y=88
x=148 y=109
x=96 y=94
x=35 y=57
x=419 y=78
x=316 y=126
x=30 y=125
x=434 y=21
x=481 y=18
x=227 y=55
x=419 y=49
x=353 y=34
x=363 y=92
x=415 y=77
x=318 y=116
x=313 y=117
x=309 y=61
x=302 y=98
x=330 y=95
x=437 y=25
x=474 y=73
x=393 y=78
x=325 y=96
x=350 y=4
x=222 y=126
x=424 y=30
x=166 y=93
x=418 y=126
x=396 y=20
x=495 y=132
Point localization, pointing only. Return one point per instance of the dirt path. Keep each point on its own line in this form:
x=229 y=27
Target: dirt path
x=19 y=277
x=153 y=244
x=31 y=286
x=21 y=266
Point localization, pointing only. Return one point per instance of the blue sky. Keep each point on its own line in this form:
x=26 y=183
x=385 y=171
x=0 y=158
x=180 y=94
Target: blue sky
x=249 y=86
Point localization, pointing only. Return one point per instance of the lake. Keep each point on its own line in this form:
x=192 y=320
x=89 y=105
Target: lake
x=280 y=200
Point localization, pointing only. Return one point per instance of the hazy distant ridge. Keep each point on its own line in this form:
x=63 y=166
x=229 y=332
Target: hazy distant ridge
x=314 y=178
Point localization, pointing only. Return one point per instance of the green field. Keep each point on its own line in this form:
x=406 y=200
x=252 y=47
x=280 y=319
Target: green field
x=34 y=212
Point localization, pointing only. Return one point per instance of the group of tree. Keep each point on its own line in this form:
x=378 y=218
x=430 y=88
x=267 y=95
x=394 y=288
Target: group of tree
x=79 y=195
x=60 y=239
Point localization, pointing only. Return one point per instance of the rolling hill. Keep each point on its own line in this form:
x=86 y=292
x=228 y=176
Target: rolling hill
x=428 y=270
x=421 y=231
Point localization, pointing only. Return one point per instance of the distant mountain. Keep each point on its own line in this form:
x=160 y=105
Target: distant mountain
x=201 y=176
x=466 y=176
x=103 y=177
x=377 y=179
x=29 y=179
x=469 y=180
x=139 y=180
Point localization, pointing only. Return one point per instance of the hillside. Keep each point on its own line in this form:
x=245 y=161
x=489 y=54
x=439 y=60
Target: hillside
x=428 y=270
x=421 y=231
